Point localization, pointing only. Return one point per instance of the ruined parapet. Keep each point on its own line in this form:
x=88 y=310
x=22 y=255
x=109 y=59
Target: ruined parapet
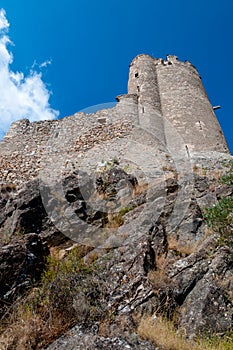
x=28 y=147
x=17 y=128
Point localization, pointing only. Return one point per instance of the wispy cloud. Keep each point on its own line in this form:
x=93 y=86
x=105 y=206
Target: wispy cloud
x=4 y=24
x=20 y=96
x=45 y=64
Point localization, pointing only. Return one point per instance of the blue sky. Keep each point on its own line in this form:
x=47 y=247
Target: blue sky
x=86 y=47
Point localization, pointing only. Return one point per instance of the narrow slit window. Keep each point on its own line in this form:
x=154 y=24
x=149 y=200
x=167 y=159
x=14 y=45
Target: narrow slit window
x=136 y=75
x=200 y=125
x=187 y=150
x=138 y=88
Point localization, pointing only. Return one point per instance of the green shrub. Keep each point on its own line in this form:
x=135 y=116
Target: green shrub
x=220 y=216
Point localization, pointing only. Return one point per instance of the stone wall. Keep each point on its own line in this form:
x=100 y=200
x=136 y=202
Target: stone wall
x=27 y=147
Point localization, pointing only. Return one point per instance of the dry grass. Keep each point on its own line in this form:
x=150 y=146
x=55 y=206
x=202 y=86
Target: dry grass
x=195 y=168
x=28 y=330
x=181 y=250
x=168 y=168
x=115 y=221
x=140 y=188
x=162 y=333
x=60 y=301
x=158 y=278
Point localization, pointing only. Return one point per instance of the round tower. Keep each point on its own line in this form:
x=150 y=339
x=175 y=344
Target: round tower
x=143 y=83
x=185 y=104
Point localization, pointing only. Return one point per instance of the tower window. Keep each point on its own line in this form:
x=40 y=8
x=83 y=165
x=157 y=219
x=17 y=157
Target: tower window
x=201 y=124
x=187 y=150
x=136 y=75
x=138 y=88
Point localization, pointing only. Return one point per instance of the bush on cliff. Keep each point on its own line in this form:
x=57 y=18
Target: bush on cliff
x=220 y=216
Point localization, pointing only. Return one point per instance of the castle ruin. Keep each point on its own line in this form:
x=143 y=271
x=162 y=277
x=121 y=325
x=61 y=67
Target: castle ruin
x=159 y=92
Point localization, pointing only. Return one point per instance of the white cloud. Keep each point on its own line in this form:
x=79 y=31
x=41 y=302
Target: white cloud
x=20 y=96
x=45 y=64
x=4 y=24
x=41 y=65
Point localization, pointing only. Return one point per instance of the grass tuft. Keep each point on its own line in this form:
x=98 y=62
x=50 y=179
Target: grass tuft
x=162 y=333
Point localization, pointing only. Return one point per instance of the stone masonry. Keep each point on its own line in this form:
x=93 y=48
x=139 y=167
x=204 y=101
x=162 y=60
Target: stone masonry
x=166 y=105
x=175 y=90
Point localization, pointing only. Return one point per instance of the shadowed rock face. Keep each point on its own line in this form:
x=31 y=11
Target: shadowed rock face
x=22 y=261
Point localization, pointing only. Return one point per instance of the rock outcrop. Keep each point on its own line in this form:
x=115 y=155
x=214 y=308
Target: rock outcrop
x=78 y=338
x=185 y=273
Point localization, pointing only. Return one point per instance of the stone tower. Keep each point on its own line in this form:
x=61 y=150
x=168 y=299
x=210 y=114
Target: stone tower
x=174 y=90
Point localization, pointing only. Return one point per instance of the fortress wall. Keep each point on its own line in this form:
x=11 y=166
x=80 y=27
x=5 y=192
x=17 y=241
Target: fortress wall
x=28 y=147
x=22 y=135
x=185 y=103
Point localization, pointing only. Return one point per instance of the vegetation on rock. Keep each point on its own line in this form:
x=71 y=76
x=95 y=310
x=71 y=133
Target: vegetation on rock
x=220 y=216
x=164 y=335
x=67 y=294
